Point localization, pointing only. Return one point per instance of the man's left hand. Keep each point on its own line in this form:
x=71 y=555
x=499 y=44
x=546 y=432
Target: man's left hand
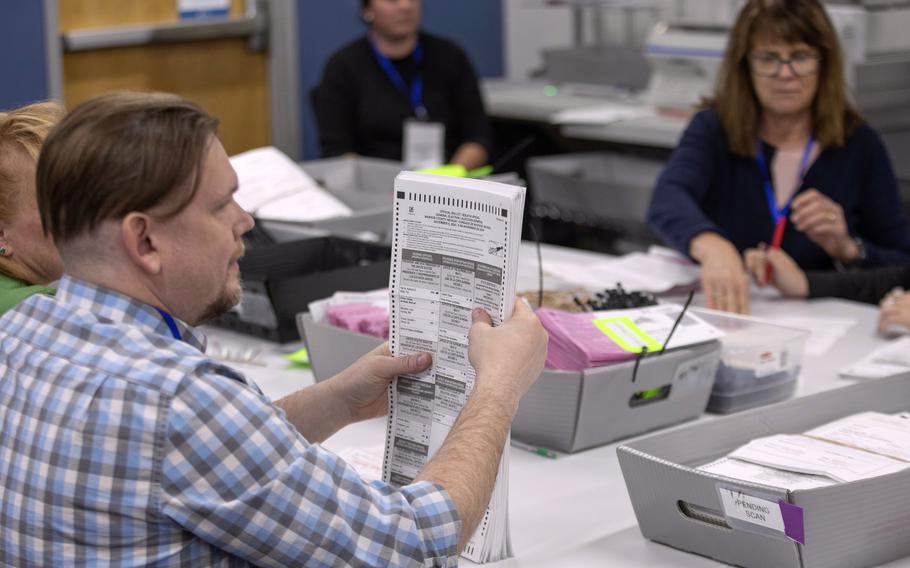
x=363 y=387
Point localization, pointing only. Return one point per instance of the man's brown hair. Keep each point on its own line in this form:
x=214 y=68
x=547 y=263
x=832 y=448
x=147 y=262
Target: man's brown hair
x=834 y=117
x=118 y=153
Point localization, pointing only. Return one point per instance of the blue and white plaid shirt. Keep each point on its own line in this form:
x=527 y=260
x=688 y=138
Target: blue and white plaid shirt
x=120 y=445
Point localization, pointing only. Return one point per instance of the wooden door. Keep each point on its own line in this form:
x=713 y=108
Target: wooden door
x=224 y=76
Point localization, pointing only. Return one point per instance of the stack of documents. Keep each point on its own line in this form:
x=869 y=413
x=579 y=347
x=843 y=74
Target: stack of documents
x=272 y=187
x=890 y=359
x=455 y=247
x=579 y=341
x=857 y=447
x=659 y=270
x=361 y=318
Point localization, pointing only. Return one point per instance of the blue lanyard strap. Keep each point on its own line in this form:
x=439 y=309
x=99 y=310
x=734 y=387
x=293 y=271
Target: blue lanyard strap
x=171 y=324
x=778 y=214
x=415 y=93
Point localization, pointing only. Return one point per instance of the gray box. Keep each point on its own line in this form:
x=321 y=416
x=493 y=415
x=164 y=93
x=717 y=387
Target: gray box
x=609 y=188
x=565 y=410
x=364 y=184
x=848 y=525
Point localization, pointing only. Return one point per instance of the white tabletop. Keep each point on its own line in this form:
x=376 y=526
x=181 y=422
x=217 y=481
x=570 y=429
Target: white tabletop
x=574 y=511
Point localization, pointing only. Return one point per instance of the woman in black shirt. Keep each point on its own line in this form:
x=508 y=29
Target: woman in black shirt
x=374 y=85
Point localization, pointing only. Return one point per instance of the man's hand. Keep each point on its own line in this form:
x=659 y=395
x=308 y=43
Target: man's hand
x=509 y=358
x=723 y=277
x=786 y=275
x=362 y=389
x=822 y=219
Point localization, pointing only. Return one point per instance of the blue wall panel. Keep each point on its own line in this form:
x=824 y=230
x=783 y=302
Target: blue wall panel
x=325 y=26
x=23 y=71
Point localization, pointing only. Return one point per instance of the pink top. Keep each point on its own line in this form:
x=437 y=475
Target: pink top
x=785 y=169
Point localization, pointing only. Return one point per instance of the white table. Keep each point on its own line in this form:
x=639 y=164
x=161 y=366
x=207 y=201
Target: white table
x=574 y=511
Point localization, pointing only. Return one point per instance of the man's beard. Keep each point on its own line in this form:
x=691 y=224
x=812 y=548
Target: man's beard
x=221 y=305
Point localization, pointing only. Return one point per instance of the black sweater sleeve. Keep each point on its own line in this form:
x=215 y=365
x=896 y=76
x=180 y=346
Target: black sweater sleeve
x=862 y=286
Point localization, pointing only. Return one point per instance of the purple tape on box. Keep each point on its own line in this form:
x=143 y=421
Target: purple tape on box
x=793 y=522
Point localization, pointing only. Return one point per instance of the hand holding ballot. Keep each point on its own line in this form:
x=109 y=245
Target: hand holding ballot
x=508 y=358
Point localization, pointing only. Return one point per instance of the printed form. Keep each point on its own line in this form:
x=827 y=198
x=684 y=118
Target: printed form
x=455 y=247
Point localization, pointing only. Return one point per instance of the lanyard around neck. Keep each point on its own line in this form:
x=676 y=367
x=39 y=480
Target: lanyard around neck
x=780 y=214
x=415 y=92
x=171 y=324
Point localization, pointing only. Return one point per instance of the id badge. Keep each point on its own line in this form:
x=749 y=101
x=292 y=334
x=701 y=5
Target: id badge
x=424 y=144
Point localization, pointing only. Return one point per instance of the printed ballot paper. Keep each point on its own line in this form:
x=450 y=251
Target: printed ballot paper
x=455 y=247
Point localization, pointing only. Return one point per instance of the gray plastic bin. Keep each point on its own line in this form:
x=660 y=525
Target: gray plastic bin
x=363 y=184
x=598 y=188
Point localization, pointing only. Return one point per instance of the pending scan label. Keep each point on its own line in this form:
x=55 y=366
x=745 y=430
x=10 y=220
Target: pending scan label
x=751 y=509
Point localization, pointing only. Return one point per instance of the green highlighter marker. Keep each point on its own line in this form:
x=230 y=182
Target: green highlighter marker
x=542 y=452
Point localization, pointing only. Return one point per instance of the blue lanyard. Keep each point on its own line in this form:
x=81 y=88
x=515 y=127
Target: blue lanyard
x=171 y=324
x=415 y=93
x=778 y=214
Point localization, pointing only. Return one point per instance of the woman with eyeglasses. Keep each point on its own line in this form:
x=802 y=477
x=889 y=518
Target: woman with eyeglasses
x=779 y=158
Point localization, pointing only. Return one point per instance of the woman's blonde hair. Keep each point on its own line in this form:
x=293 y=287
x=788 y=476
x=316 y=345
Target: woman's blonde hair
x=834 y=117
x=21 y=129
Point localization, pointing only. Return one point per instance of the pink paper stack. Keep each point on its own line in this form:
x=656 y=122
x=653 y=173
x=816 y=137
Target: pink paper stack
x=576 y=343
x=360 y=318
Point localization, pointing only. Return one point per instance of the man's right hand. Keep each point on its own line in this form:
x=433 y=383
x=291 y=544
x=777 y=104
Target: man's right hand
x=723 y=277
x=508 y=358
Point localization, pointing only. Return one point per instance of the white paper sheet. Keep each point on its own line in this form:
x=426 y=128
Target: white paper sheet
x=652 y=272
x=602 y=114
x=874 y=432
x=754 y=473
x=366 y=461
x=890 y=359
x=825 y=331
x=273 y=187
x=808 y=455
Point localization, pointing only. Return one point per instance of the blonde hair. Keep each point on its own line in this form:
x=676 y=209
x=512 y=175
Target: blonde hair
x=23 y=129
x=833 y=116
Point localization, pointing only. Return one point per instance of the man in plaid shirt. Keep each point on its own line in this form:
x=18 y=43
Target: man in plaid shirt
x=123 y=444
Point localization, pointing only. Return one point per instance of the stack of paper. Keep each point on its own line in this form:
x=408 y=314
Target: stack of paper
x=579 y=341
x=857 y=447
x=890 y=359
x=606 y=113
x=272 y=187
x=375 y=299
x=455 y=247
x=656 y=271
x=361 y=318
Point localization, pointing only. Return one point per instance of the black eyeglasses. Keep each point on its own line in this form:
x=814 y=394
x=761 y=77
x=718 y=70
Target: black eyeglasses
x=802 y=64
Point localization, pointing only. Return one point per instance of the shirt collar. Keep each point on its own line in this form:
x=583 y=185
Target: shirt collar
x=106 y=304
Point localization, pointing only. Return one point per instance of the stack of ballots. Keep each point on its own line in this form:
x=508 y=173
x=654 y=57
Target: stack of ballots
x=580 y=341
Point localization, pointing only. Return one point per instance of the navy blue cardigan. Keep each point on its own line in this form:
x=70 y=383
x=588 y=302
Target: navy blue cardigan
x=706 y=188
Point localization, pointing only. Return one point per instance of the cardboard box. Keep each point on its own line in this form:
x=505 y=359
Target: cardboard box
x=848 y=525
x=570 y=411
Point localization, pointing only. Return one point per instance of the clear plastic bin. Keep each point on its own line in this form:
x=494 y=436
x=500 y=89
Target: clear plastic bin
x=363 y=184
x=760 y=361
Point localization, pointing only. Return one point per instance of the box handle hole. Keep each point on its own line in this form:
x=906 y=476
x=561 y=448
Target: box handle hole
x=703 y=514
x=649 y=396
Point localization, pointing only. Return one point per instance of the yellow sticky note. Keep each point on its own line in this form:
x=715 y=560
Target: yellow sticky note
x=624 y=332
x=300 y=357
x=452 y=170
